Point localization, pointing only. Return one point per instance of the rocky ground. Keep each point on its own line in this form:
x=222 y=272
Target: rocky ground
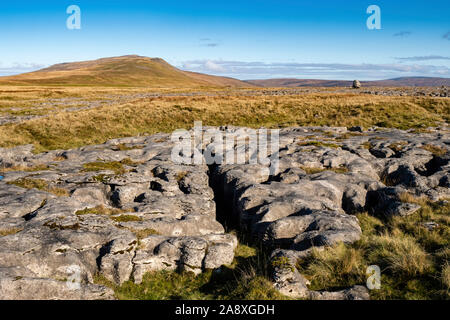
x=123 y=208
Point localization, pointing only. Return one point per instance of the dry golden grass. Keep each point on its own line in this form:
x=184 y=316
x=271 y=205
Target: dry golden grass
x=30 y=183
x=59 y=158
x=446 y=275
x=24 y=168
x=144 y=233
x=62 y=130
x=318 y=144
x=8 y=232
x=399 y=253
x=398 y=146
x=311 y=170
x=413 y=259
x=116 y=166
x=101 y=210
x=435 y=150
x=126 y=218
x=124 y=147
x=180 y=175
x=408 y=197
x=334 y=266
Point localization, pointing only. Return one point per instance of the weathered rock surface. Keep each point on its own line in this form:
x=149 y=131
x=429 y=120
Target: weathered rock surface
x=123 y=208
x=152 y=215
x=325 y=176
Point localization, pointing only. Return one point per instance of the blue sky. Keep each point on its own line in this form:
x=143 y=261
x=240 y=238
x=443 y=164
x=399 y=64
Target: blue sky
x=244 y=39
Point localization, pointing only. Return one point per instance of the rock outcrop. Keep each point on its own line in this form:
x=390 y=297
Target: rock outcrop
x=103 y=211
x=124 y=208
x=356 y=84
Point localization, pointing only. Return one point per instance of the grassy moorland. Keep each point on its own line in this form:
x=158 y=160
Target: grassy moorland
x=74 y=117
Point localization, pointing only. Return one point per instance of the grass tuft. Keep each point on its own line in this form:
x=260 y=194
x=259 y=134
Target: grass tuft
x=100 y=210
x=413 y=258
x=245 y=279
x=144 y=233
x=435 y=150
x=126 y=218
x=8 y=232
x=116 y=166
x=40 y=167
x=29 y=183
x=318 y=144
x=312 y=170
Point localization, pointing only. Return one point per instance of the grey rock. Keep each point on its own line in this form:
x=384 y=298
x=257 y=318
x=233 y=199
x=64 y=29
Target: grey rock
x=430 y=225
x=192 y=254
x=387 y=202
x=354 y=293
x=94 y=196
x=15 y=287
x=170 y=208
x=354 y=199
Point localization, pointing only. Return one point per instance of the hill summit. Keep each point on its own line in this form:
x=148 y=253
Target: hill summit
x=130 y=71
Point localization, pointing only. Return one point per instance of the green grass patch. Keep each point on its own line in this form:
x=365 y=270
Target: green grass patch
x=116 y=166
x=29 y=183
x=312 y=170
x=126 y=218
x=414 y=260
x=7 y=232
x=100 y=210
x=144 y=233
x=282 y=262
x=39 y=167
x=103 y=178
x=435 y=150
x=318 y=144
x=245 y=279
x=125 y=147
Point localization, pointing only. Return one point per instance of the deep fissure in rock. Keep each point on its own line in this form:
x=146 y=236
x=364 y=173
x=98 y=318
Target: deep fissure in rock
x=224 y=207
x=432 y=166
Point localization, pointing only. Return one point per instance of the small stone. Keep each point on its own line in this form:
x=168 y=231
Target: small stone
x=356 y=129
x=431 y=225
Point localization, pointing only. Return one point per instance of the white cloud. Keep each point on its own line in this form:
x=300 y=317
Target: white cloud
x=213 y=66
x=261 y=70
x=208 y=42
x=17 y=68
x=402 y=34
x=423 y=58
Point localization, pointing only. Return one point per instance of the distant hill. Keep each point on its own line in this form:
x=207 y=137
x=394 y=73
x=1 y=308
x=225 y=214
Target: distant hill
x=397 y=82
x=130 y=71
x=138 y=71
